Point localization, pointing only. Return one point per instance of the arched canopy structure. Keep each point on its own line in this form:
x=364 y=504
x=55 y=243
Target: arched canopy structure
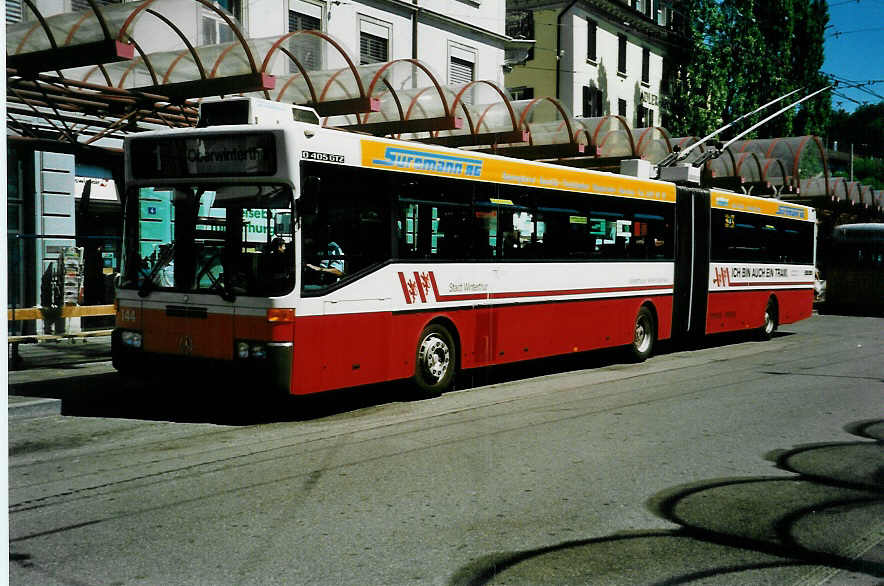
x=610 y=136
x=803 y=156
x=683 y=142
x=853 y=193
x=839 y=189
x=411 y=101
x=652 y=143
x=59 y=82
x=552 y=132
x=491 y=118
x=817 y=188
x=774 y=173
x=865 y=195
x=748 y=166
x=74 y=39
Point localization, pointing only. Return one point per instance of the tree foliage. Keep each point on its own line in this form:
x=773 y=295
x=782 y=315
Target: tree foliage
x=740 y=54
x=864 y=128
x=697 y=82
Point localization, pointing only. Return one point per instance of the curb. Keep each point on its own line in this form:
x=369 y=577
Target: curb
x=28 y=407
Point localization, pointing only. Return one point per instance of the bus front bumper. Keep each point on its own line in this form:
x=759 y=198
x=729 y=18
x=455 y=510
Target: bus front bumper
x=269 y=371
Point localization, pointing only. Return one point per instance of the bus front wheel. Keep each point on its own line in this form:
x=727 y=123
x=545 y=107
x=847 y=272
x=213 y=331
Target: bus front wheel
x=435 y=361
x=645 y=335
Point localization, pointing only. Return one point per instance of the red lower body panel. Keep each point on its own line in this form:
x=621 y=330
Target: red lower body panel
x=730 y=311
x=336 y=351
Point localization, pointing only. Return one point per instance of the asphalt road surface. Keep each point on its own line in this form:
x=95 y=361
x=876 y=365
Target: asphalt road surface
x=740 y=462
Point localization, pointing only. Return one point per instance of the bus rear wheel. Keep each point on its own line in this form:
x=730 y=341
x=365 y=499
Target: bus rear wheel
x=770 y=321
x=644 y=337
x=435 y=361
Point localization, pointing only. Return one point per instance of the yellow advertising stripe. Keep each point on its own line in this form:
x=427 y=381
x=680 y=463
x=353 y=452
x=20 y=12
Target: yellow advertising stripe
x=465 y=165
x=725 y=200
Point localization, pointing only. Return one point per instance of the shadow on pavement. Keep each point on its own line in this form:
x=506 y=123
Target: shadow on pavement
x=753 y=530
x=211 y=398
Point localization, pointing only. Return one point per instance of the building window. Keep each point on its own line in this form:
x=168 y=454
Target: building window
x=234 y=7
x=592 y=102
x=644 y=117
x=621 y=54
x=662 y=14
x=76 y=5
x=621 y=107
x=591 y=40
x=646 y=65
x=372 y=49
x=521 y=93
x=305 y=48
x=13 y=11
x=214 y=30
x=374 y=41
x=461 y=68
x=643 y=6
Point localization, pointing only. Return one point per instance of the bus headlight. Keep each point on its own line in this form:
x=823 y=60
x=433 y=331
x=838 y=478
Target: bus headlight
x=131 y=339
x=242 y=349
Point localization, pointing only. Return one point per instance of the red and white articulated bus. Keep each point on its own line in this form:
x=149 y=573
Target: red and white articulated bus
x=318 y=259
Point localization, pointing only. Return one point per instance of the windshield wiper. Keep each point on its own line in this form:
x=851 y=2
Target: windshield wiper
x=164 y=259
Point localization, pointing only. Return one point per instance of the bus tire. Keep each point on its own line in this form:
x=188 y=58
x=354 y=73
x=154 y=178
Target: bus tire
x=645 y=335
x=435 y=361
x=769 y=324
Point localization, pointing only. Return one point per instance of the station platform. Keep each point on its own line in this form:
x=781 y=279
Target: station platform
x=51 y=360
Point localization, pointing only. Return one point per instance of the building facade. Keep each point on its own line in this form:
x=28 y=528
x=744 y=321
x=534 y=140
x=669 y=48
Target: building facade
x=460 y=40
x=598 y=57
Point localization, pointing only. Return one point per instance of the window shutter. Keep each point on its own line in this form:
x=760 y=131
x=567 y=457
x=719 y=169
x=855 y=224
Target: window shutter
x=461 y=72
x=372 y=49
x=306 y=49
x=13 y=11
x=81 y=5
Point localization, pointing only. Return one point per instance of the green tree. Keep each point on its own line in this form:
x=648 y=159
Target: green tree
x=697 y=77
x=776 y=22
x=864 y=128
x=744 y=51
x=739 y=54
x=808 y=43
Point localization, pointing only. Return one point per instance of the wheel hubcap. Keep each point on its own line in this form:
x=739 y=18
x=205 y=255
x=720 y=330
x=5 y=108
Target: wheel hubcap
x=435 y=357
x=642 y=340
x=768 y=322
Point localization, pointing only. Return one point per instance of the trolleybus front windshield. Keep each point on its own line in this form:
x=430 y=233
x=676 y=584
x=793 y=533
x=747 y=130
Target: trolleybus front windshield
x=230 y=240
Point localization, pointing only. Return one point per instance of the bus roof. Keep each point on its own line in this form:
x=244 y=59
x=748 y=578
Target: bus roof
x=728 y=200
x=859 y=232
x=343 y=147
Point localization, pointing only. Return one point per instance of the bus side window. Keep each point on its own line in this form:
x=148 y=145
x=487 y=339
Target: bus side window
x=455 y=233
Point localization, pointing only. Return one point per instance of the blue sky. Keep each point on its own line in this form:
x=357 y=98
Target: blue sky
x=857 y=53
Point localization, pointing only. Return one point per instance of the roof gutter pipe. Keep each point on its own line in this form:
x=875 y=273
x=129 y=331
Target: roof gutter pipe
x=559 y=43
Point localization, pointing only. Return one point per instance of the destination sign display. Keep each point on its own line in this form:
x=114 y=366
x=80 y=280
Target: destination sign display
x=203 y=156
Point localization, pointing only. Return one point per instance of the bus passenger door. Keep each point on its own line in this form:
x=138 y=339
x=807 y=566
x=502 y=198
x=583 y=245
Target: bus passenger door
x=691 y=263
